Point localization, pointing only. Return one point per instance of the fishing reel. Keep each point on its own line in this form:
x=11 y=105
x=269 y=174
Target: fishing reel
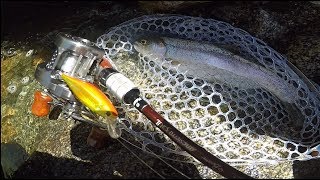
x=78 y=60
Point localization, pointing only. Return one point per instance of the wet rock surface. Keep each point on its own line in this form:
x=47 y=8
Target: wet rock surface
x=305 y=55
x=80 y=160
x=59 y=148
x=166 y=6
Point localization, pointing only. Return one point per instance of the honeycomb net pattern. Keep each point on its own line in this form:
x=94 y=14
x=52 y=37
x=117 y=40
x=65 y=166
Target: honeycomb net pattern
x=237 y=125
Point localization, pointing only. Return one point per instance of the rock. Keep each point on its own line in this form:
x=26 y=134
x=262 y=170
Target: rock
x=97 y=138
x=304 y=53
x=12 y=157
x=8 y=131
x=12 y=88
x=166 y=6
x=315 y=2
x=268 y=25
x=25 y=80
x=30 y=53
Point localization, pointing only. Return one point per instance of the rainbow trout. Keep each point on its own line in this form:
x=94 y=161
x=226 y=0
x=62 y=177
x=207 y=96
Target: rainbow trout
x=207 y=61
x=210 y=62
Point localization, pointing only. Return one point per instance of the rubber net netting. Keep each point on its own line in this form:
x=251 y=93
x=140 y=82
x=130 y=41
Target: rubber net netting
x=237 y=125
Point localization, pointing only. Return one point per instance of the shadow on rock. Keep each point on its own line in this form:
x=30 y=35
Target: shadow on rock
x=44 y=165
x=306 y=169
x=109 y=161
x=13 y=155
x=118 y=159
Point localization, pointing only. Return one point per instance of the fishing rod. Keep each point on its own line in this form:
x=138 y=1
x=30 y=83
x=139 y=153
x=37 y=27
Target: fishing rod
x=124 y=89
x=72 y=78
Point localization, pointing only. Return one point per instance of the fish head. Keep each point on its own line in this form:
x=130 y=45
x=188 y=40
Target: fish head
x=150 y=46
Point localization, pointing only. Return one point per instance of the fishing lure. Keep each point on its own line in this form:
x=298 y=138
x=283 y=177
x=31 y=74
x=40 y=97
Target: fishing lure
x=91 y=96
x=94 y=99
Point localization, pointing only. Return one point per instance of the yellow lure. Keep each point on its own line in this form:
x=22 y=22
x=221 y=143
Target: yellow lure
x=91 y=96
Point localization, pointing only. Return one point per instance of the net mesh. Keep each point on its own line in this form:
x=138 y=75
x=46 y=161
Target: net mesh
x=239 y=126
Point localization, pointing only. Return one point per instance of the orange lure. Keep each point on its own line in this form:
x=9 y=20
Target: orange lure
x=91 y=96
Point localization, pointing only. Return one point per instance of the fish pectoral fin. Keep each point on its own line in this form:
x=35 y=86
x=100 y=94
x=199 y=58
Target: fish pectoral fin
x=175 y=62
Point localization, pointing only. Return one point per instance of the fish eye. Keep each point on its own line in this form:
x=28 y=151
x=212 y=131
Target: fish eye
x=143 y=41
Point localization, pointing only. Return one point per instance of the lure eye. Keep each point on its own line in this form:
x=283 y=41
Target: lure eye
x=143 y=41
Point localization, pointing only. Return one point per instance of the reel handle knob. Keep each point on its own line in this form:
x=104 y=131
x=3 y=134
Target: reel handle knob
x=41 y=106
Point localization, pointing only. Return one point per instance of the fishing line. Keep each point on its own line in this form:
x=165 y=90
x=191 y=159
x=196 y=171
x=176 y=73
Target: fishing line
x=159 y=157
x=162 y=177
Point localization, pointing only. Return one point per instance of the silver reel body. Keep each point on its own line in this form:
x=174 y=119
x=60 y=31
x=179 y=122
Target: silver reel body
x=76 y=57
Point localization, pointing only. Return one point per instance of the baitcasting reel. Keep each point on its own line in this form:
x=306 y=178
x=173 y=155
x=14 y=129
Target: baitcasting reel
x=76 y=57
x=79 y=60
